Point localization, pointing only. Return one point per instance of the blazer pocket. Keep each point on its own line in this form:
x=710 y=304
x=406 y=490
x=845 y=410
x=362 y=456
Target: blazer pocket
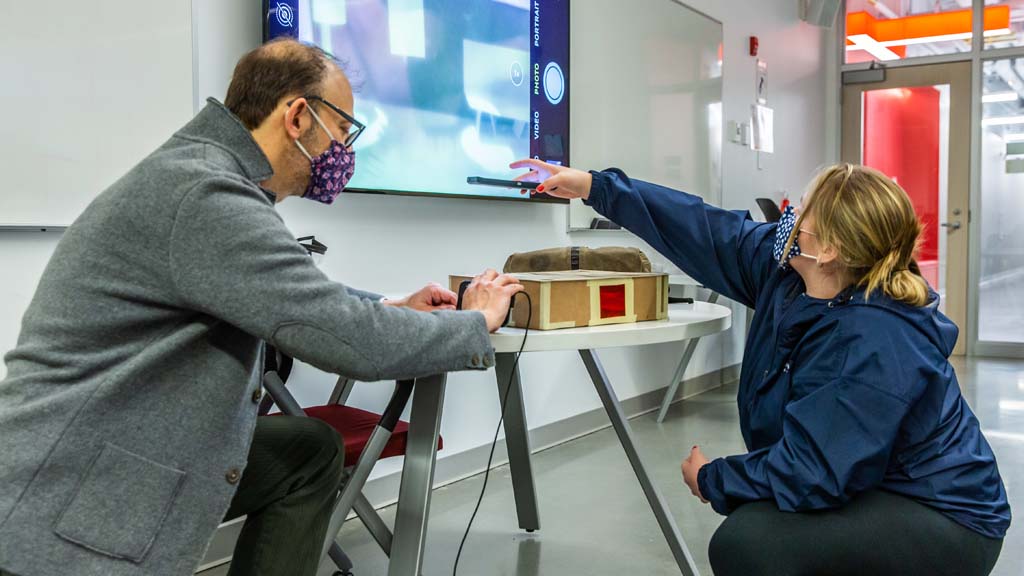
x=120 y=505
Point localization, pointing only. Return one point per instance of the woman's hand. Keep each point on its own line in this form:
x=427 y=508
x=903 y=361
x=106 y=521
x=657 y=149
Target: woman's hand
x=559 y=181
x=691 y=467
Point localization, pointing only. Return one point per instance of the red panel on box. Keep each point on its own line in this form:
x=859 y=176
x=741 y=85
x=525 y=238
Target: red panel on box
x=613 y=301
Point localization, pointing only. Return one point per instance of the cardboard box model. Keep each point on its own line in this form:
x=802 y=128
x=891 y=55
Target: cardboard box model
x=577 y=298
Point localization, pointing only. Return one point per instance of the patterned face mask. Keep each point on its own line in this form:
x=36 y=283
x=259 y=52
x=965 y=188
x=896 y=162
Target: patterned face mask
x=782 y=232
x=330 y=171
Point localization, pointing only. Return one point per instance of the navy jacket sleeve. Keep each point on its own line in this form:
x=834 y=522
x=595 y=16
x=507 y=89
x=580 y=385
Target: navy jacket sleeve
x=836 y=441
x=724 y=250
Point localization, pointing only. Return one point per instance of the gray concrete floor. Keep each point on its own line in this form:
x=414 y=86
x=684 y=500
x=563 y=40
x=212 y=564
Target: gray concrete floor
x=595 y=520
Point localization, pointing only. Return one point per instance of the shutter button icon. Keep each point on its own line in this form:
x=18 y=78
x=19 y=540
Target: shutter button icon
x=554 y=82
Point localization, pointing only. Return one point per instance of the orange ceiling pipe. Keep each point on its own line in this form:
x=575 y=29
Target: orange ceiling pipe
x=924 y=25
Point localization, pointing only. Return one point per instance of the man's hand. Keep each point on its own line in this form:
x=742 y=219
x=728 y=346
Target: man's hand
x=430 y=298
x=491 y=293
x=691 y=466
x=559 y=181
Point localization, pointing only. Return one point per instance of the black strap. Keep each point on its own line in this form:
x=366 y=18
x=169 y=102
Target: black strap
x=574 y=258
x=311 y=244
x=403 y=390
x=276 y=361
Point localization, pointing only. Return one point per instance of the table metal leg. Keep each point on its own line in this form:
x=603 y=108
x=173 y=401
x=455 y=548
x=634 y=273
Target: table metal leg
x=684 y=362
x=517 y=440
x=673 y=386
x=625 y=433
x=417 y=477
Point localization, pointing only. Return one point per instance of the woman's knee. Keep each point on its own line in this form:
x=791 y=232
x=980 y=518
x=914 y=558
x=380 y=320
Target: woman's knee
x=737 y=547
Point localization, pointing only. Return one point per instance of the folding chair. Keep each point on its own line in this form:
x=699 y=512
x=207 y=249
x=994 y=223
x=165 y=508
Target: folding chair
x=367 y=436
x=770 y=209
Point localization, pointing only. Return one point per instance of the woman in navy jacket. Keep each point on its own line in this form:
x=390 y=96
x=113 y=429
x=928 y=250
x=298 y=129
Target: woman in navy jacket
x=849 y=408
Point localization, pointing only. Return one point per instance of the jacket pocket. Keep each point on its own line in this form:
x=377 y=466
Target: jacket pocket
x=120 y=505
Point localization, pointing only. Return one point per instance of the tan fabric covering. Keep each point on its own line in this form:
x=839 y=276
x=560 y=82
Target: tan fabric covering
x=611 y=258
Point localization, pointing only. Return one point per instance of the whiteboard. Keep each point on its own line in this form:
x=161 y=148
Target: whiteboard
x=89 y=89
x=646 y=95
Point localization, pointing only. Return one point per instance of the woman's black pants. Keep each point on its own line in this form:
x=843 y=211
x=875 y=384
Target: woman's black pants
x=877 y=533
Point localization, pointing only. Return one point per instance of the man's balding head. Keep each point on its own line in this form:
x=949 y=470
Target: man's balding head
x=280 y=69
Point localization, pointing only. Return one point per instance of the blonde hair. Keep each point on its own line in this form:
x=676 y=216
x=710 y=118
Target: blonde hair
x=871 y=223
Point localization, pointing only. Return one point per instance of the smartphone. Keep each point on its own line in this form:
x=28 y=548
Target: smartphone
x=481 y=181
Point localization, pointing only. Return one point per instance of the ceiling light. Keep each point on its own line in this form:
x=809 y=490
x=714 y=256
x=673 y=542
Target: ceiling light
x=928 y=39
x=1000 y=32
x=1002 y=121
x=1000 y=97
x=1000 y=435
x=1011 y=405
x=872 y=46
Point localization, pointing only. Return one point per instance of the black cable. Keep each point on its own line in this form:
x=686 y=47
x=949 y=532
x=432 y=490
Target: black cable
x=494 y=443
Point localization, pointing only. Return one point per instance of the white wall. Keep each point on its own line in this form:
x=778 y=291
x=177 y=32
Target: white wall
x=395 y=244
x=801 y=58
x=48 y=64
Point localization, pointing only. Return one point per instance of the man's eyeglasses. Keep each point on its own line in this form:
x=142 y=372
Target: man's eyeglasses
x=356 y=127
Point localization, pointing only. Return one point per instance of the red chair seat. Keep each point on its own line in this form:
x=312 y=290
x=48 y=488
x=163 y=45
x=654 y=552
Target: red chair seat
x=355 y=427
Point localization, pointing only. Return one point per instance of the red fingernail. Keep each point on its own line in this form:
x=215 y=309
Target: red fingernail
x=540 y=188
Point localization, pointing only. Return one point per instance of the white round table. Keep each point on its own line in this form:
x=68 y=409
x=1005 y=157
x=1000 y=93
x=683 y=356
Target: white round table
x=684 y=321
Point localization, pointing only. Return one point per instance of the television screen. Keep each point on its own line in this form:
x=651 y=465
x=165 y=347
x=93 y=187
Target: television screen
x=447 y=89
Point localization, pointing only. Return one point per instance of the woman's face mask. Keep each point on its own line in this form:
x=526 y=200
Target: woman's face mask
x=331 y=171
x=782 y=233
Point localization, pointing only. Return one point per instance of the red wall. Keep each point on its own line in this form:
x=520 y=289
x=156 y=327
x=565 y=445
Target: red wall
x=901 y=138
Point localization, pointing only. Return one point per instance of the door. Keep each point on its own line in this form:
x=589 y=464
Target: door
x=998 y=249
x=914 y=126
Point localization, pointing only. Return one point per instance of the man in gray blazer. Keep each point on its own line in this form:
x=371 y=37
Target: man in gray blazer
x=129 y=406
